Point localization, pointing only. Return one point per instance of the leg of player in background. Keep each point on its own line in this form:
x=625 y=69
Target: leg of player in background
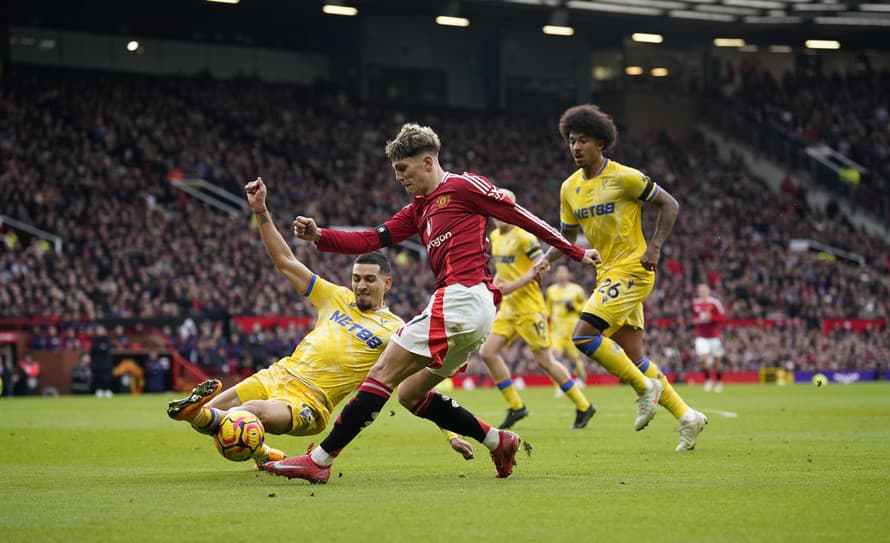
x=577 y=365
x=707 y=363
x=718 y=374
x=561 y=376
x=589 y=339
x=490 y=353
x=691 y=421
x=703 y=351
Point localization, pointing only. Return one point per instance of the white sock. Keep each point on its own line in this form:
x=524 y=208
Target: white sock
x=492 y=439
x=321 y=457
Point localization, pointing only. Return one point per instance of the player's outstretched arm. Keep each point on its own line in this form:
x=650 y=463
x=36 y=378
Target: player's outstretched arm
x=394 y=231
x=571 y=234
x=533 y=274
x=668 y=210
x=283 y=258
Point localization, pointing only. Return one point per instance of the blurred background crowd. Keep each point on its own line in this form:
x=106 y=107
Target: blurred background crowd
x=94 y=158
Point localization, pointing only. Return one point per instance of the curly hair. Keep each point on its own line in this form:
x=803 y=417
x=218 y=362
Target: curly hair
x=589 y=120
x=412 y=140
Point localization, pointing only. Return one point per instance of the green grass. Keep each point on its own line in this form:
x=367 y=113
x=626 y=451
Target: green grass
x=797 y=463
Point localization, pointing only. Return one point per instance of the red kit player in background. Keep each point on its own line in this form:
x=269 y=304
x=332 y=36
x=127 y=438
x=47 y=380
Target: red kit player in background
x=708 y=316
x=450 y=213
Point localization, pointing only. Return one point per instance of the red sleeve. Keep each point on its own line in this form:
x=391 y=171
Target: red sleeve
x=394 y=231
x=490 y=201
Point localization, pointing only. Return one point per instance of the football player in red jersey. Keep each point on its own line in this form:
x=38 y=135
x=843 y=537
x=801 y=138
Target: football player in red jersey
x=708 y=315
x=450 y=213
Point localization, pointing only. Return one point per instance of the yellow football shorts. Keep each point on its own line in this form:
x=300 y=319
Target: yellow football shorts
x=618 y=298
x=310 y=416
x=531 y=327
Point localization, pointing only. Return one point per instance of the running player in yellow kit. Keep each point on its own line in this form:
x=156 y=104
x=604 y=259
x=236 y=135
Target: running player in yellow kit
x=523 y=314
x=297 y=394
x=564 y=302
x=603 y=199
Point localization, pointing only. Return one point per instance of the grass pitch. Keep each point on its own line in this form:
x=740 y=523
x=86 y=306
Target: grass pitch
x=795 y=463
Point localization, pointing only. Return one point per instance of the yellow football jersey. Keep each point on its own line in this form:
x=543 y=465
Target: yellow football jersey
x=607 y=209
x=514 y=253
x=335 y=356
x=558 y=300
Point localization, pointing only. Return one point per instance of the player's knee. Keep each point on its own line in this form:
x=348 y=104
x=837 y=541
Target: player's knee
x=488 y=353
x=258 y=408
x=408 y=397
x=589 y=325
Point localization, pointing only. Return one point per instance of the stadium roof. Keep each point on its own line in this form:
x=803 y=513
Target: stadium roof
x=297 y=23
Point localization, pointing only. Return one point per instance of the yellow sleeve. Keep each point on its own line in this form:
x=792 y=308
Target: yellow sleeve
x=637 y=186
x=449 y=435
x=322 y=293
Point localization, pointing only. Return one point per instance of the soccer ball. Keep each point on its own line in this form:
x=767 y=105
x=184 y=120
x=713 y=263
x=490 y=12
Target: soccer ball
x=240 y=436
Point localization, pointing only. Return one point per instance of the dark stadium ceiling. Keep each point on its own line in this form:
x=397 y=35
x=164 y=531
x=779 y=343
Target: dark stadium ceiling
x=301 y=24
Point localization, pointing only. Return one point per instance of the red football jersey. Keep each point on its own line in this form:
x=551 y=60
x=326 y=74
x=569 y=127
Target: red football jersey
x=451 y=222
x=709 y=315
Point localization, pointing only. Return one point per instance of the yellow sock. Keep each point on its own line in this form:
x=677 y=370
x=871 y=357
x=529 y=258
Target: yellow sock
x=207 y=420
x=670 y=400
x=611 y=356
x=574 y=393
x=510 y=394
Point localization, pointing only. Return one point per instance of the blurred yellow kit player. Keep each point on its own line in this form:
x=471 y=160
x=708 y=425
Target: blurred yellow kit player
x=523 y=314
x=564 y=302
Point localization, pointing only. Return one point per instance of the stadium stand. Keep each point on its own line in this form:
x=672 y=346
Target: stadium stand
x=93 y=157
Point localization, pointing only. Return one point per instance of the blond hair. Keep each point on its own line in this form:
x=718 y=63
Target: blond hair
x=412 y=140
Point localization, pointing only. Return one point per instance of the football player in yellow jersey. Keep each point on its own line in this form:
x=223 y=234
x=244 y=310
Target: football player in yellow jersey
x=297 y=394
x=603 y=199
x=523 y=314
x=564 y=302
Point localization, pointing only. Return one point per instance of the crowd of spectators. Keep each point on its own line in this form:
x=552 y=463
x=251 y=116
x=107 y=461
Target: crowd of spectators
x=845 y=111
x=88 y=156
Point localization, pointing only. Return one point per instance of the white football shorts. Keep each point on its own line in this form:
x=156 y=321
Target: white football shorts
x=708 y=346
x=454 y=324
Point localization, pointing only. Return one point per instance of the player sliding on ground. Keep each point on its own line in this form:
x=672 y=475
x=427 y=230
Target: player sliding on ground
x=297 y=394
x=450 y=213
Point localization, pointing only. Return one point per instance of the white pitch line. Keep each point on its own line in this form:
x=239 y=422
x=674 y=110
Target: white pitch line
x=727 y=414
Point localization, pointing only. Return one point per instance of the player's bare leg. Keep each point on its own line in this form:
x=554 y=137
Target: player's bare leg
x=490 y=353
x=584 y=410
x=718 y=374
x=707 y=364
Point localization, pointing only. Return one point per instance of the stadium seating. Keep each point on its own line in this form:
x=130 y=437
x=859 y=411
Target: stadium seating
x=88 y=157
